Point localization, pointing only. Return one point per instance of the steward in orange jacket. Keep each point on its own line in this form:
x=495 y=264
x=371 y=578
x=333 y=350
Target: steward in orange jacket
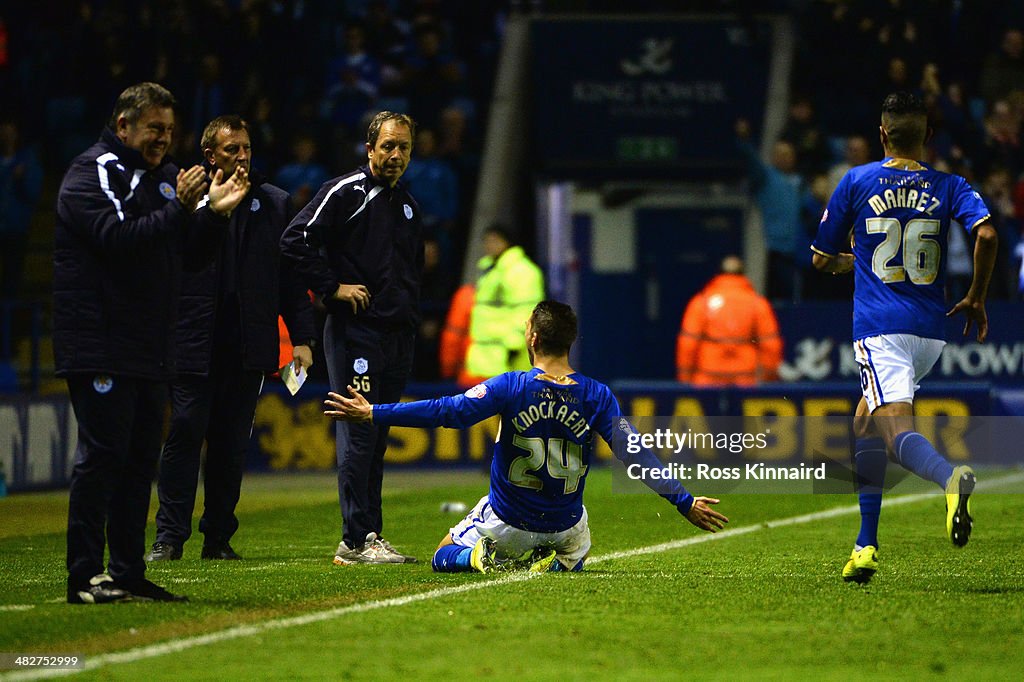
x=455 y=337
x=729 y=334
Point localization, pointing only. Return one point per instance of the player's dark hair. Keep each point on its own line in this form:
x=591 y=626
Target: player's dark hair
x=232 y=122
x=555 y=325
x=903 y=102
x=373 y=131
x=137 y=98
x=905 y=119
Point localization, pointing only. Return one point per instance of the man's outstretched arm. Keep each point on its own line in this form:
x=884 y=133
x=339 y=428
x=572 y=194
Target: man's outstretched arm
x=697 y=510
x=455 y=412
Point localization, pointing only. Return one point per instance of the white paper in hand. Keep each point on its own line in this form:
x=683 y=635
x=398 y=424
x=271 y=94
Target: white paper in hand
x=293 y=379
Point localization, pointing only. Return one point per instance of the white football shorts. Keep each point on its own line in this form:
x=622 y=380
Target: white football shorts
x=891 y=365
x=571 y=545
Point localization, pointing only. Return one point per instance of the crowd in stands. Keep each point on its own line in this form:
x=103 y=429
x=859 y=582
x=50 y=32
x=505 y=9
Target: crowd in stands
x=307 y=74
x=966 y=59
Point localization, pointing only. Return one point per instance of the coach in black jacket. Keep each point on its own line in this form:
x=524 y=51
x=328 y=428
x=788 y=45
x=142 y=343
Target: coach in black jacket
x=124 y=224
x=227 y=341
x=359 y=245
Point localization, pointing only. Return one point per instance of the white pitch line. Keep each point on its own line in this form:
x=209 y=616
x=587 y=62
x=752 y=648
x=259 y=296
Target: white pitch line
x=791 y=521
x=173 y=646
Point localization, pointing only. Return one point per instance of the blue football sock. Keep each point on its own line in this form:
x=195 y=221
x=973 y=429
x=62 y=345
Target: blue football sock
x=914 y=452
x=452 y=559
x=559 y=567
x=870 y=462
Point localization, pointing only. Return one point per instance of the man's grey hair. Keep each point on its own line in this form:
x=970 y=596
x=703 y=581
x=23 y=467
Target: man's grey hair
x=137 y=98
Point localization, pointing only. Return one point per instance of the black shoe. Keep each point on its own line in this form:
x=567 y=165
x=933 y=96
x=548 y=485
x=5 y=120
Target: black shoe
x=220 y=552
x=100 y=590
x=144 y=590
x=163 y=551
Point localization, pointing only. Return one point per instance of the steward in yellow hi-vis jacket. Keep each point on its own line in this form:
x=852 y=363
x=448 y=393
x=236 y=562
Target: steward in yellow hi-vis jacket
x=508 y=289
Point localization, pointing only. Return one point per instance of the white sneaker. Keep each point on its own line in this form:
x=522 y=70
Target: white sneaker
x=345 y=555
x=372 y=552
x=403 y=558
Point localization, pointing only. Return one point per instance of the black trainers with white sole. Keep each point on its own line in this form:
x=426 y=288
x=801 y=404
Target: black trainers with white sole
x=99 y=590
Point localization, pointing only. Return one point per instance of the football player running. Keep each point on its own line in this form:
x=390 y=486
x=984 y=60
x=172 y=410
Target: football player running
x=899 y=211
x=533 y=517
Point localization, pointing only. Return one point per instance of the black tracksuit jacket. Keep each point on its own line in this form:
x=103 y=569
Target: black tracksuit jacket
x=264 y=283
x=121 y=241
x=357 y=230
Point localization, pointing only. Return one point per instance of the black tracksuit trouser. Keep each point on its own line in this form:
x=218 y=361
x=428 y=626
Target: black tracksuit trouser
x=120 y=424
x=377 y=362
x=219 y=409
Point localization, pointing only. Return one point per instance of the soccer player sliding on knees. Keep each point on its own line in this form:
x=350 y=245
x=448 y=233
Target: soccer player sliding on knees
x=533 y=517
x=898 y=211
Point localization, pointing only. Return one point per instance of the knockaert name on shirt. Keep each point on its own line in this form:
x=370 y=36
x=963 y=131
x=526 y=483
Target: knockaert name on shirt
x=756 y=471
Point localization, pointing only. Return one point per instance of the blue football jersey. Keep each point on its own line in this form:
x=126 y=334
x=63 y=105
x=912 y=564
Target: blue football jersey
x=899 y=213
x=545 y=443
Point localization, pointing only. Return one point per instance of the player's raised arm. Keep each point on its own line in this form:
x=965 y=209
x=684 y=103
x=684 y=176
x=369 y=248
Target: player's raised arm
x=455 y=412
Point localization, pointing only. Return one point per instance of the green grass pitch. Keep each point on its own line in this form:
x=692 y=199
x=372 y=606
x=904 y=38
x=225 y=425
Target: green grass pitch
x=764 y=603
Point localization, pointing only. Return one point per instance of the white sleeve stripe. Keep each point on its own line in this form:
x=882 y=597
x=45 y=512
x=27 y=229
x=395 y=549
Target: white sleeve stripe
x=316 y=214
x=101 y=170
x=373 y=192
x=203 y=202
x=135 y=183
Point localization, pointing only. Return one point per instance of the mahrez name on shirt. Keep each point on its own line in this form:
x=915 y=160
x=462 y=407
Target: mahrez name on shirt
x=903 y=197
